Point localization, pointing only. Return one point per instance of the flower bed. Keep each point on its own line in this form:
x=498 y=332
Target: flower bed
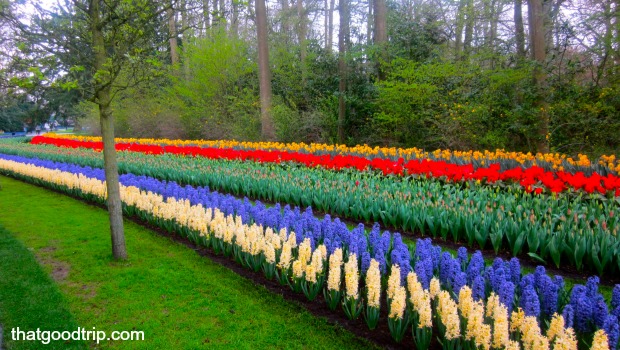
x=532 y=178
x=573 y=232
x=426 y=292
x=553 y=161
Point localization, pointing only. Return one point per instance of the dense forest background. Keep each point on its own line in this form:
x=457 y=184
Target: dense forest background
x=460 y=74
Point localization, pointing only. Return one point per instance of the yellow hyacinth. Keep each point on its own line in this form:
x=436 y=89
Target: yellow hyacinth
x=305 y=251
x=285 y=256
x=413 y=284
x=435 y=287
x=373 y=284
x=556 y=327
x=398 y=303
x=393 y=282
x=421 y=301
x=448 y=313
x=466 y=301
x=513 y=345
x=335 y=270
x=516 y=320
x=600 y=341
x=310 y=273
x=351 y=277
x=566 y=340
x=298 y=269
x=270 y=253
x=501 y=333
x=317 y=260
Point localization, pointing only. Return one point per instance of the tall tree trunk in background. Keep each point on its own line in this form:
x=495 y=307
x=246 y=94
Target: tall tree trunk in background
x=172 y=29
x=370 y=21
x=186 y=37
x=206 y=15
x=286 y=26
x=222 y=14
x=343 y=40
x=469 y=27
x=617 y=31
x=264 y=72
x=302 y=29
x=537 y=42
x=460 y=23
x=103 y=100
x=330 y=31
x=234 y=22
x=326 y=22
x=381 y=36
x=519 y=30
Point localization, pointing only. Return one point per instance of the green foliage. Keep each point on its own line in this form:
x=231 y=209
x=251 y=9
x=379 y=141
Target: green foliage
x=455 y=105
x=220 y=98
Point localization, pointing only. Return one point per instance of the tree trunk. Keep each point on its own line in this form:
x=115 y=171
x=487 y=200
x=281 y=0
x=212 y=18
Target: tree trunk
x=186 y=36
x=235 y=19
x=343 y=39
x=172 y=29
x=370 y=30
x=206 y=14
x=469 y=27
x=103 y=99
x=381 y=36
x=264 y=73
x=330 y=32
x=460 y=23
x=286 y=27
x=301 y=34
x=326 y=21
x=222 y=14
x=519 y=30
x=537 y=43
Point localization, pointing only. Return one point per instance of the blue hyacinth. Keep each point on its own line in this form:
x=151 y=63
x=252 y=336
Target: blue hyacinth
x=475 y=267
x=506 y=294
x=529 y=301
x=583 y=307
x=615 y=297
x=478 y=288
x=461 y=254
x=568 y=314
x=612 y=328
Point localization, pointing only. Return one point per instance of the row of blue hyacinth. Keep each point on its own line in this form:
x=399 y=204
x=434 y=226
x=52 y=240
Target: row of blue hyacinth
x=584 y=308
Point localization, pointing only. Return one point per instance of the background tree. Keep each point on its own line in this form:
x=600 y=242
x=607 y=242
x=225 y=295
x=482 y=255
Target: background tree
x=105 y=47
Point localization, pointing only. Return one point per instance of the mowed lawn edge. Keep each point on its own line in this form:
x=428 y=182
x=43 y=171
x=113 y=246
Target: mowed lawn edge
x=29 y=299
x=177 y=298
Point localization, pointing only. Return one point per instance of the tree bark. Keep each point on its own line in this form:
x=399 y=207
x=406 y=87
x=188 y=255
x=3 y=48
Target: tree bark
x=343 y=39
x=206 y=14
x=222 y=14
x=186 y=37
x=103 y=99
x=460 y=23
x=538 y=52
x=301 y=34
x=370 y=28
x=519 y=30
x=381 y=36
x=469 y=27
x=264 y=72
x=172 y=29
x=234 y=22
x=330 y=32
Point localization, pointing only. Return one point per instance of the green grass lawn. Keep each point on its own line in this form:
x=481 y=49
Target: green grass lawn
x=29 y=298
x=177 y=298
